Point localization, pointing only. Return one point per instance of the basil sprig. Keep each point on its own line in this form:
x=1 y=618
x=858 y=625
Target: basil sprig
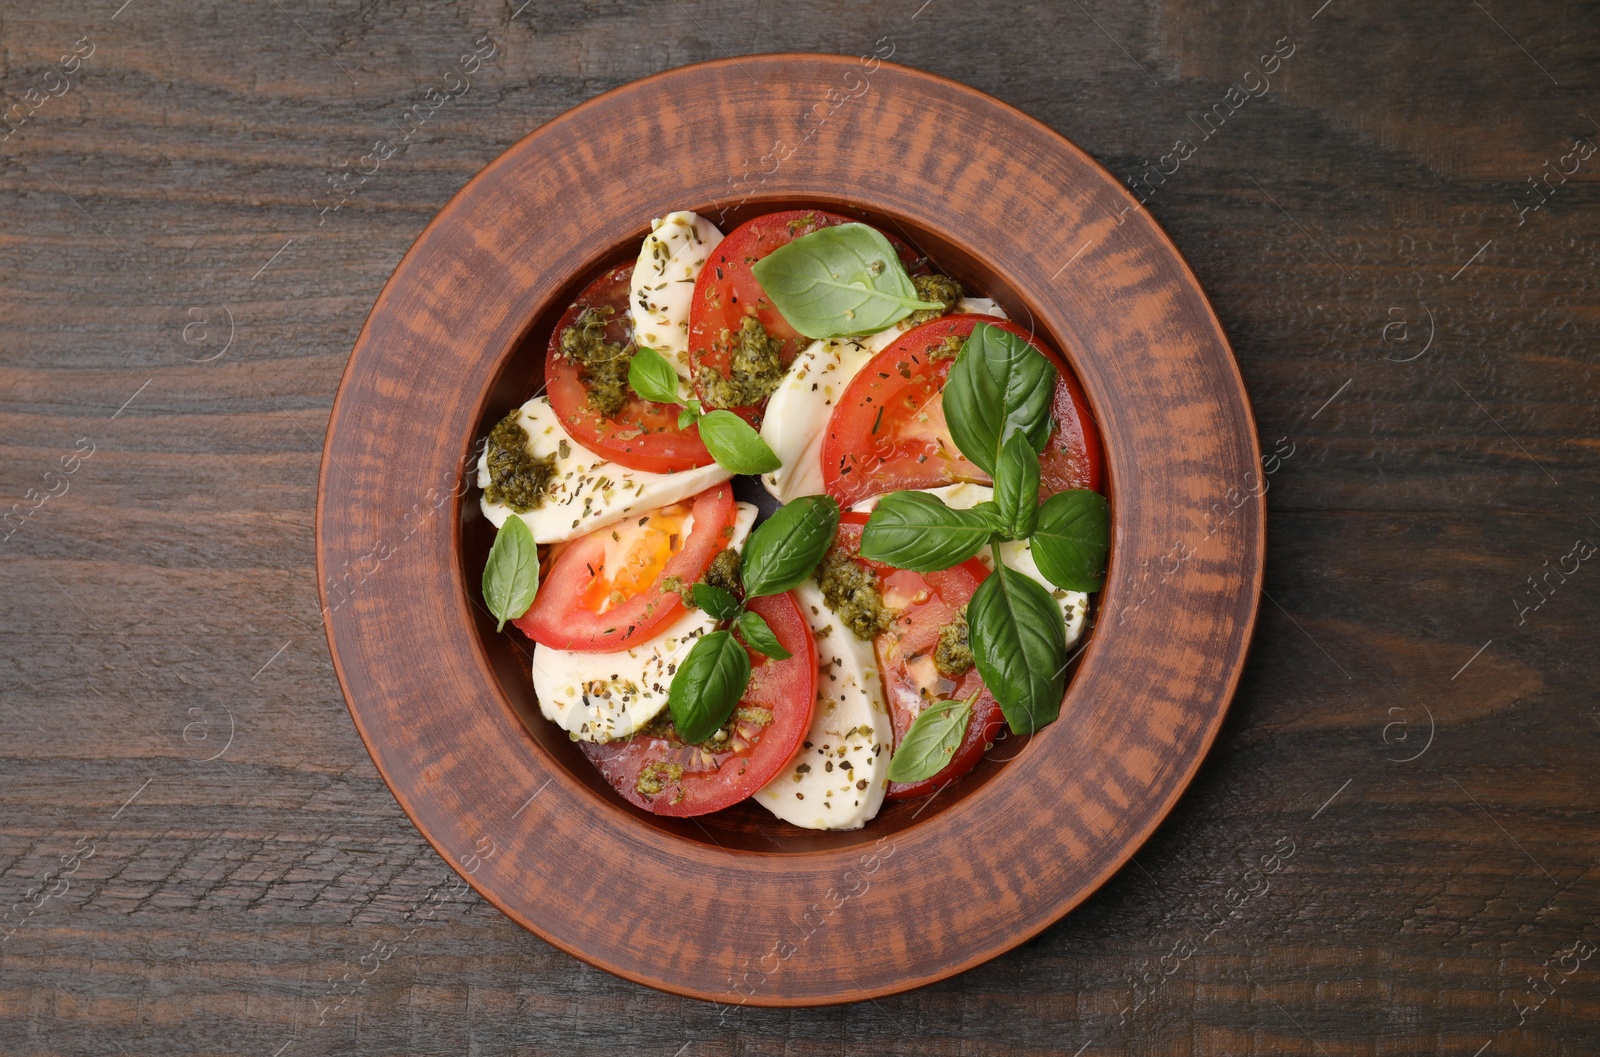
x=759 y=636
x=1016 y=487
x=779 y=554
x=838 y=281
x=788 y=545
x=731 y=440
x=997 y=403
x=511 y=575
x=708 y=686
x=1072 y=538
x=932 y=740
x=716 y=601
x=914 y=530
x=1019 y=642
x=998 y=385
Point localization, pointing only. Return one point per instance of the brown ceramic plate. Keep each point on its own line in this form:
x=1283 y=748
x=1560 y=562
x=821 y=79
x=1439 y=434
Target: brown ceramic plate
x=736 y=906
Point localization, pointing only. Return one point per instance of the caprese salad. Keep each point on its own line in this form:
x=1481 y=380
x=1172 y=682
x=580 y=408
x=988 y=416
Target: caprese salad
x=918 y=590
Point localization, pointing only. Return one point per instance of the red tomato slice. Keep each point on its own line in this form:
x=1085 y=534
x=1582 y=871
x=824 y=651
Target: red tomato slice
x=727 y=290
x=888 y=430
x=695 y=781
x=927 y=602
x=585 y=605
x=642 y=435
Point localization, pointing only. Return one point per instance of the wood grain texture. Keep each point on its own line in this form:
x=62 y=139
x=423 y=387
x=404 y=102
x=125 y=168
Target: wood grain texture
x=225 y=904
x=456 y=340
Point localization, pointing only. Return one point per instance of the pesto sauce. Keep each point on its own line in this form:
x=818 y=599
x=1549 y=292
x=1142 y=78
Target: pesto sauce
x=953 y=656
x=724 y=572
x=940 y=288
x=656 y=776
x=517 y=477
x=948 y=349
x=851 y=591
x=682 y=588
x=754 y=369
x=603 y=364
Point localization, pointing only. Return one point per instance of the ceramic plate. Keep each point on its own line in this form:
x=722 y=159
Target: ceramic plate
x=735 y=906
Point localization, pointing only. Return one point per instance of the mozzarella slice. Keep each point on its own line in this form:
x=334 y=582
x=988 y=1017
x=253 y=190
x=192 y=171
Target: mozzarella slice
x=587 y=491
x=838 y=779
x=1017 y=554
x=796 y=420
x=673 y=254
x=605 y=696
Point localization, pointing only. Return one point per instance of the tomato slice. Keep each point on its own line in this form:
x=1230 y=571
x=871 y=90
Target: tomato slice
x=640 y=435
x=888 y=430
x=588 y=602
x=927 y=602
x=727 y=291
x=657 y=771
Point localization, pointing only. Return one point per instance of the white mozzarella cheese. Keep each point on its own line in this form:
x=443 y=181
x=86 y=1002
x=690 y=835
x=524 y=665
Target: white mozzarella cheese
x=588 y=492
x=838 y=779
x=1017 y=554
x=605 y=696
x=797 y=414
x=671 y=259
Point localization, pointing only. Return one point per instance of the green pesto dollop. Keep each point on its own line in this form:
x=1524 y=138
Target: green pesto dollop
x=603 y=364
x=656 y=776
x=677 y=585
x=851 y=591
x=517 y=477
x=948 y=349
x=724 y=572
x=940 y=288
x=754 y=370
x=953 y=656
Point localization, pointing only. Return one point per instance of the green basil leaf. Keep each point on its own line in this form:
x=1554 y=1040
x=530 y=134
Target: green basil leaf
x=1020 y=643
x=686 y=418
x=652 y=377
x=735 y=444
x=708 y=686
x=511 y=575
x=998 y=385
x=784 y=549
x=1016 y=487
x=845 y=279
x=720 y=604
x=916 y=531
x=1072 y=539
x=932 y=740
x=758 y=635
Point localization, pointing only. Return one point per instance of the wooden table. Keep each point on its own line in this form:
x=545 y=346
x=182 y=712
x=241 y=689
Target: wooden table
x=1397 y=225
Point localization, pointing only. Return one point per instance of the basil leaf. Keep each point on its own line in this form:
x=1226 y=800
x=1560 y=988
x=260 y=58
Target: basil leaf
x=933 y=739
x=708 y=685
x=1020 y=643
x=916 y=531
x=758 y=635
x=1072 y=538
x=511 y=575
x=998 y=385
x=840 y=280
x=686 y=418
x=735 y=444
x=652 y=377
x=720 y=604
x=784 y=549
x=1016 y=487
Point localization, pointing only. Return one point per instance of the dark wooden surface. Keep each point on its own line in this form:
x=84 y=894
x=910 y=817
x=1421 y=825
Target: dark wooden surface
x=1367 y=201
